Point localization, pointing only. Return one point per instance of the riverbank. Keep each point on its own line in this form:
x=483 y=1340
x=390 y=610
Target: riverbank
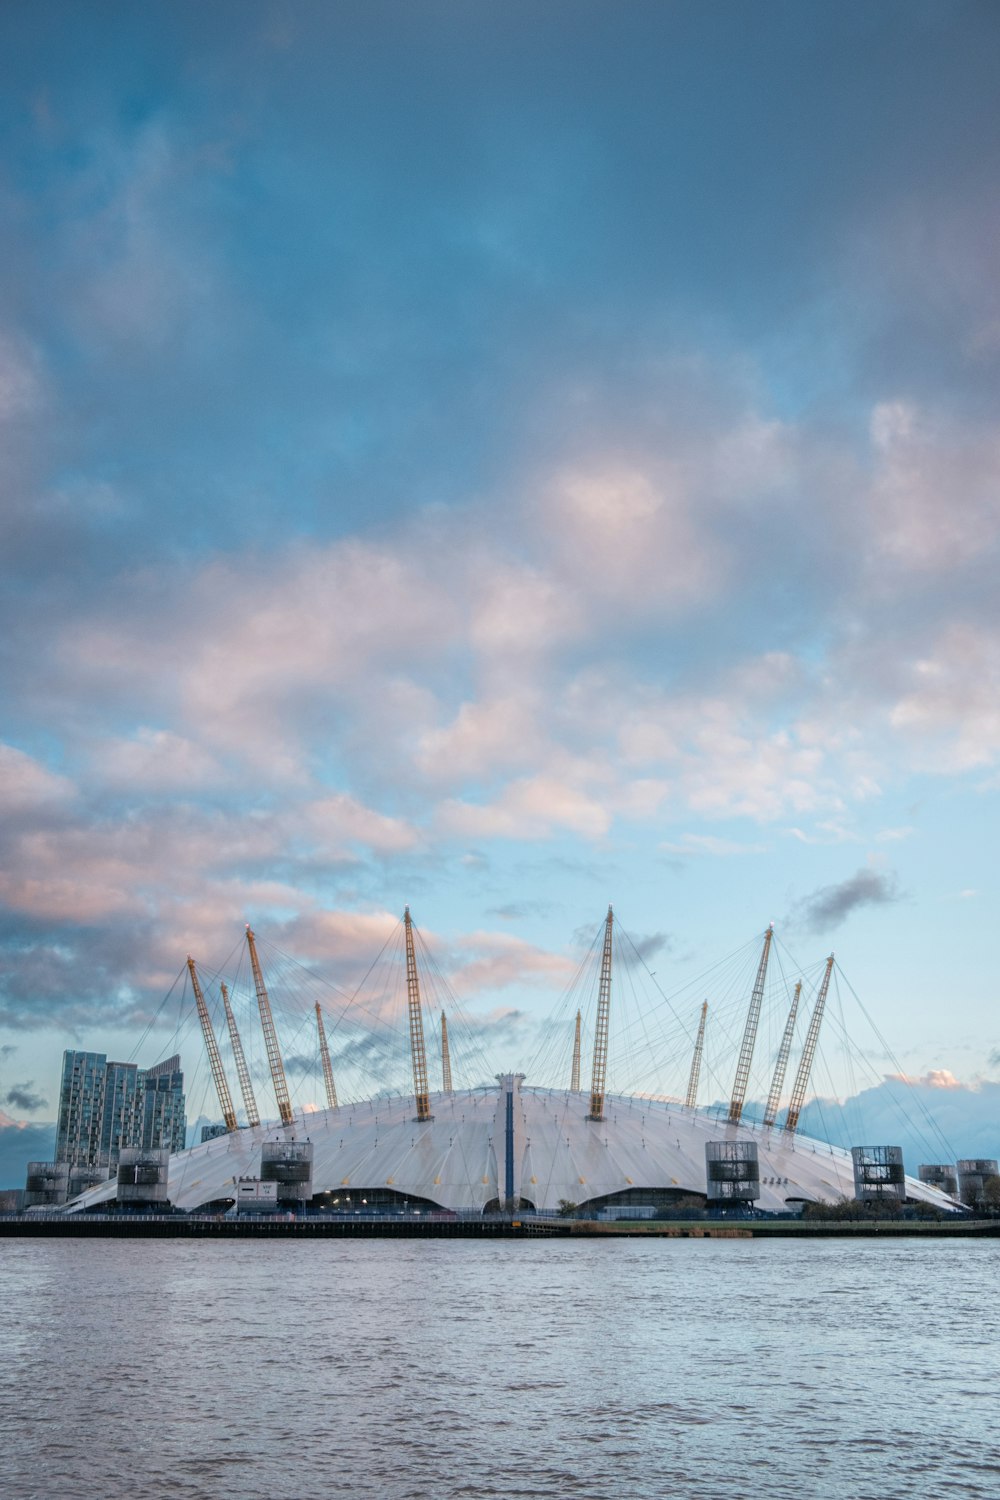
x=180 y=1226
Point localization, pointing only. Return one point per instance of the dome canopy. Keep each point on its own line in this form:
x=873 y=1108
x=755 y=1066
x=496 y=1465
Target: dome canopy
x=530 y=1147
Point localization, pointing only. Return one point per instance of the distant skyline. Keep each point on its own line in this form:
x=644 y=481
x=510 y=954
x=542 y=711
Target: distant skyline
x=505 y=460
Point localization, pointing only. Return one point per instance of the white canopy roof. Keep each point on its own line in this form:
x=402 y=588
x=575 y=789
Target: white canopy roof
x=459 y=1159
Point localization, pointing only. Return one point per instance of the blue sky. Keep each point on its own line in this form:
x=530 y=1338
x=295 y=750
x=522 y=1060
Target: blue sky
x=504 y=459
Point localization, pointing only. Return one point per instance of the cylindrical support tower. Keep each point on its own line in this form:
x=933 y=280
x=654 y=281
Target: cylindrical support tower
x=290 y=1165
x=977 y=1184
x=732 y=1173
x=143 y=1176
x=940 y=1175
x=46 y=1184
x=879 y=1175
x=82 y=1178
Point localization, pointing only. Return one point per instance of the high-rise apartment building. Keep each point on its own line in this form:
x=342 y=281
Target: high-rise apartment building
x=105 y=1106
x=81 y=1108
x=164 y=1122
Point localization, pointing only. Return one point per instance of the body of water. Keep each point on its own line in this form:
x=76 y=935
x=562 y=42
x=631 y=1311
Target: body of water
x=425 y=1370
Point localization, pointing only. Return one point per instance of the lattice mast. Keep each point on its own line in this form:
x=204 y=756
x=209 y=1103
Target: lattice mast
x=749 y=1035
x=445 y=1056
x=808 y=1053
x=211 y=1046
x=421 y=1090
x=324 y=1057
x=242 y=1071
x=691 y=1098
x=601 y=1032
x=270 y=1036
x=574 y=1077
x=784 y=1052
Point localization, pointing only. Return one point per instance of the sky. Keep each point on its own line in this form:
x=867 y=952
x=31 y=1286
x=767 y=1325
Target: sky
x=506 y=460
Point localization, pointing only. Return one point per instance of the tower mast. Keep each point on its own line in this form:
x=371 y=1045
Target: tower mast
x=808 y=1053
x=214 y=1060
x=574 y=1077
x=421 y=1091
x=691 y=1099
x=749 y=1035
x=601 y=1033
x=445 y=1056
x=270 y=1035
x=324 y=1057
x=778 y=1081
x=242 y=1071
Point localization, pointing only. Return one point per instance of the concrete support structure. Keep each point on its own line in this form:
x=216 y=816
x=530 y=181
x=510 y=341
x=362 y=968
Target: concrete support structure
x=879 y=1175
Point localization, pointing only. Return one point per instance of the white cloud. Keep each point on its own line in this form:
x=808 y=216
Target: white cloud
x=26 y=785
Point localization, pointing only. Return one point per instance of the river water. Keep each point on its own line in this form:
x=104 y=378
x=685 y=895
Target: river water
x=451 y=1368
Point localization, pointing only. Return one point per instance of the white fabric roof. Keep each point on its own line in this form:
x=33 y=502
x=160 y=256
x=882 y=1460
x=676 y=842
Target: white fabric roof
x=458 y=1158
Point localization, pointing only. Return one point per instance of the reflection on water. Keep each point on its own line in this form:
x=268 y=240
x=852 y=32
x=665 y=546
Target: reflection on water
x=439 y=1369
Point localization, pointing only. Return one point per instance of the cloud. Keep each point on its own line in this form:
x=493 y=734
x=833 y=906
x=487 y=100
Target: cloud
x=22 y=1097
x=20 y=1144
x=710 y=844
x=934 y=496
x=26 y=785
x=520 y=911
x=936 y=1078
x=831 y=905
x=949 y=707
x=932 y=1120
x=638 y=950
x=487 y=961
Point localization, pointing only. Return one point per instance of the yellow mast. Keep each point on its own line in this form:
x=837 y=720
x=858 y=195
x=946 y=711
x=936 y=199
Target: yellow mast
x=214 y=1060
x=808 y=1053
x=749 y=1035
x=601 y=1033
x=324 y=1055
x=574 y=1077
x=270 y=1036
x=421 y=1090
x=691 y=1100
x=445 y=1056
x=242 y=1071
x=784 y=1051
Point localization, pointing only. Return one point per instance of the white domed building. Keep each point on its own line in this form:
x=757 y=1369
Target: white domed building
x=513 y=1147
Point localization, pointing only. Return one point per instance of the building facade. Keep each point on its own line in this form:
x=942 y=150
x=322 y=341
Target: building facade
x=105 y=1107
x=164 y=1123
